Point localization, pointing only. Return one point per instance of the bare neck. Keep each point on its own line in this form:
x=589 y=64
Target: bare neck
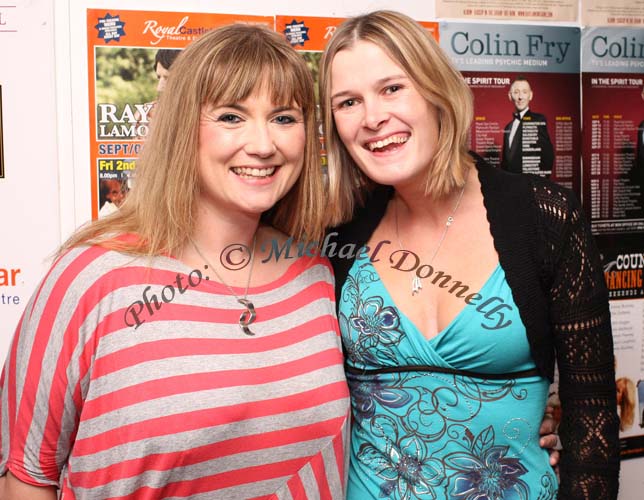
x=418 y=207
x=213 y=233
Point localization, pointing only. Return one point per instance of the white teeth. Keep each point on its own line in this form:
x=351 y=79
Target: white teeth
x=254 y=172
x=394 y=139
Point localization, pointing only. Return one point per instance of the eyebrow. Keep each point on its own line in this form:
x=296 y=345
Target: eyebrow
x=378 y=83
x=244 y=109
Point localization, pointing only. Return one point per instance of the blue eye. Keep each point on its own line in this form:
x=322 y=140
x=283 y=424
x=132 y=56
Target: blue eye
x=229 y=118
x=284 y=119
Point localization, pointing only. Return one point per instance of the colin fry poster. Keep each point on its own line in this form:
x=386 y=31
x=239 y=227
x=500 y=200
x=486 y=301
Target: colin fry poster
x=525 y=81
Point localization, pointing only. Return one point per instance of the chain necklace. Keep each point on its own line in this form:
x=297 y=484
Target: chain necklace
x=248 y=316
x=416 y=282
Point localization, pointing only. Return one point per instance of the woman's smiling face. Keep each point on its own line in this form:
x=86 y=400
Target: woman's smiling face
x=250 y=153
x=387 y=126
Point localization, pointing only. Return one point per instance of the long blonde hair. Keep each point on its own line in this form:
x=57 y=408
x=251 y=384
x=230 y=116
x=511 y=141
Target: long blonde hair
x=411 y=47
x=225 y=65
x=626 y=402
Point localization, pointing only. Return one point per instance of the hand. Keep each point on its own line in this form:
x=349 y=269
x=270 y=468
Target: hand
x=549 y=439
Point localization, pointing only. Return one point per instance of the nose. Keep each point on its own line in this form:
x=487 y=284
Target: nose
x=260 y=141
x=375 y=114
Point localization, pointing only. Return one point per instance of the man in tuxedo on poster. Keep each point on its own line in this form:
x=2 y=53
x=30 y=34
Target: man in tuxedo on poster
x=526 y=144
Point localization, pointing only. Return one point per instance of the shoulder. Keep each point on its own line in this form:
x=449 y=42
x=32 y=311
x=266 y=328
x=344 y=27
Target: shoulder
x=554 y=201
x=498 y=182
x=290 y=258
x=76 y=283
x=558 y=220
x=366 y=216
x=510 y=184
x=525 y=199
x=343 y=241
x=82 y=267
x=87 y=267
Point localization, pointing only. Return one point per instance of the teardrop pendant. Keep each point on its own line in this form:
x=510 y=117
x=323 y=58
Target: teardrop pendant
x=416 y=285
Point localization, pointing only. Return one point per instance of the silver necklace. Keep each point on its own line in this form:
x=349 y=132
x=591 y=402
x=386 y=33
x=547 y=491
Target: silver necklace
x=248 y=316
x=416 y=282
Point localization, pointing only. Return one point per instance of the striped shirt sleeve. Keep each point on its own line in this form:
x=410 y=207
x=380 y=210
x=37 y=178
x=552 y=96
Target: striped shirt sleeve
x=41 y=381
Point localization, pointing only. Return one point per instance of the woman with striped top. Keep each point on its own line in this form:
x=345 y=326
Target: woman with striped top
x=168 y=353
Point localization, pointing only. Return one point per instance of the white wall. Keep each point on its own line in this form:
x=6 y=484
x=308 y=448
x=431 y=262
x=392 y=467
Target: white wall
x=29 y=200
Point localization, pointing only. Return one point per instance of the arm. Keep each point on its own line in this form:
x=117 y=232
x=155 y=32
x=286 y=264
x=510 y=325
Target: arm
x=580 y=323
x=40 y=390
x=11 y=488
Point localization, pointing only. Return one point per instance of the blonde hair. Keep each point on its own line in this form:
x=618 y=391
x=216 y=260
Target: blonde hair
x=626 y=402
x=409 y=45
x=226 y=65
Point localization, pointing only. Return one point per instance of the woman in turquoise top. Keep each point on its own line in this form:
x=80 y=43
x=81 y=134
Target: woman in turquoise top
x=462 y=434
x=469 y=282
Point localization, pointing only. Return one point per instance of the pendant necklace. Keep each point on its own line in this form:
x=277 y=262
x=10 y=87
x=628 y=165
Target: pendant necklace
x=248 y=316
x=416 y=282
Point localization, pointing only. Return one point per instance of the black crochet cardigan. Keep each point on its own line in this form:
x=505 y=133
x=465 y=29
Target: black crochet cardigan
x=553 y=268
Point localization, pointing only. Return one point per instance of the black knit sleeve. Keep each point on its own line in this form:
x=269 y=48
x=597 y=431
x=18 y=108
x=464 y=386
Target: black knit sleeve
x=580 y=323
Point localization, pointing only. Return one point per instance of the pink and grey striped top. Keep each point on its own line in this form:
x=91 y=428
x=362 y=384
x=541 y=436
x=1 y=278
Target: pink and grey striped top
x=184 y=405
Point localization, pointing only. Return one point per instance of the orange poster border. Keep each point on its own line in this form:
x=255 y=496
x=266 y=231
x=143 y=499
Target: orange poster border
x=320 y=29
x=152 y=29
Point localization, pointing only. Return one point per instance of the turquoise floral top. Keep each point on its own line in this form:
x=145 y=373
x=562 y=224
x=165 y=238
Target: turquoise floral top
x=442 y=418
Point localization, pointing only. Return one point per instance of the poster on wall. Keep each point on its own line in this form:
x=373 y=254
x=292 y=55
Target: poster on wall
x=613 y=162
x=309 y=35
x=623 y=261
x=527 y=10
x=613 y=128
x=612 y=12
x=525 y=81
x=130 y=54
x=627 y=316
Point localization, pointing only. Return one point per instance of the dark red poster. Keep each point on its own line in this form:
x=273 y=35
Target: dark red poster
x=525 y=81
x=613 y=129
x=555 y=96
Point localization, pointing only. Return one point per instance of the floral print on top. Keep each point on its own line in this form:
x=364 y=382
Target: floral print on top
x=441 y=434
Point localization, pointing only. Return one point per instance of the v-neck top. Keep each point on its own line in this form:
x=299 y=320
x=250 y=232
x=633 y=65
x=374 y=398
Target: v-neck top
x=436 y=418
x=553 y=268
x=492 y=312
